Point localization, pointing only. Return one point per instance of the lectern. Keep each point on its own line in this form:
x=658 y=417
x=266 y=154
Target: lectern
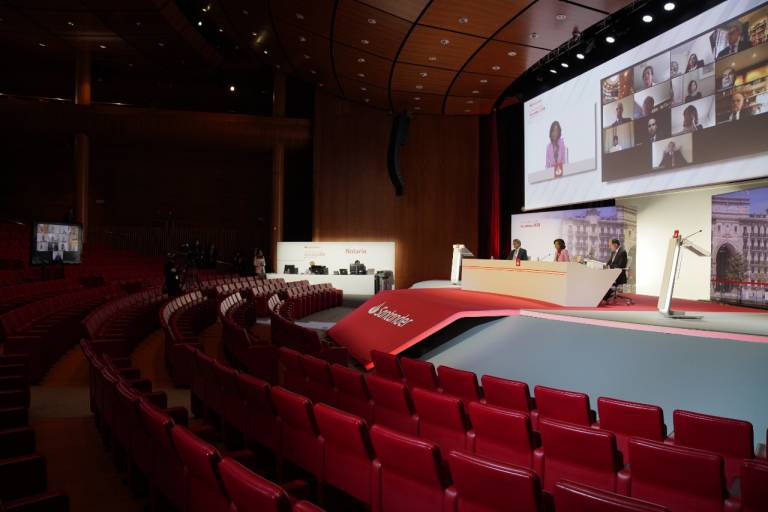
x=459 y=252
x=671 y=269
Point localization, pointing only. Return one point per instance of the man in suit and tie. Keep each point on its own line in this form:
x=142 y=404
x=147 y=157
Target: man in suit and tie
x=739 y=109
x=736 y=43
x=618 y=260
x=517 y=252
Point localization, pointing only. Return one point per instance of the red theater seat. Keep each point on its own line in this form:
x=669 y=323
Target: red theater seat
x=510 y=394
x=630 y=419
x=419 y=374
x=204 y=491
x=484 y=485
x=411 y=477
x=580 y=454
x=234 y=407
x=305 y=506
x=262 y=421
x=681 y=479
x=294 y=378
x=250 y=492
x=571 y=497
x=562 y=405
x=300 y=441
x=393 y=407
x=502 y=434
x=442 y=419
x=348 y=454
x=386 y=365
x=460 y=383
x=320 y=386
x=732 y=439
x=754 y=486
x=352 y=392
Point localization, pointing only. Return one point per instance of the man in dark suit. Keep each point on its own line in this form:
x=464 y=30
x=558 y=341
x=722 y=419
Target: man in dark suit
x=517 y=252
x=736 y=43
x=673 y=157
x=618 y=259
x=739 y=109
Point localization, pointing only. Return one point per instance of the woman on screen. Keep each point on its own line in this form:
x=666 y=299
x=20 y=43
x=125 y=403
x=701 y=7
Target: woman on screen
x=691 y=119
x=693 y=91
x=557 y=153
x=693 y=63
x=561 y=253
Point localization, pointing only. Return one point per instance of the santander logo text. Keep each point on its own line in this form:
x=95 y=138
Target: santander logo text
x=389 y=316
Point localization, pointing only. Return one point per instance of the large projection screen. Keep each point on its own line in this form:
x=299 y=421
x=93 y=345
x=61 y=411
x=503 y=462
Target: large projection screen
x=685 y=109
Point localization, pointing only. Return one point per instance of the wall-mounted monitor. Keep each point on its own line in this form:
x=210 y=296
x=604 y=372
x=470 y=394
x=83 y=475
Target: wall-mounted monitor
x=56 y=242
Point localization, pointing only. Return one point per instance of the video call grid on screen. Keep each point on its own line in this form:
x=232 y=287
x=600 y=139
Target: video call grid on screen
x=56 y=243
x=700 y=101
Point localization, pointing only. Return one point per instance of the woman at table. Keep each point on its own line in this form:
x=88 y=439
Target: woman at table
x=561 y=253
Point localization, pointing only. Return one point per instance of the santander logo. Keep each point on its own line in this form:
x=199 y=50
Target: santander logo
x=390 y=316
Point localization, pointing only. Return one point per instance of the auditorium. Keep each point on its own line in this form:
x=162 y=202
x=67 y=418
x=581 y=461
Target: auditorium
x=384 y=255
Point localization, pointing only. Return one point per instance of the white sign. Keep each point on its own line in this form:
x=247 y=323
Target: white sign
x=336 y=255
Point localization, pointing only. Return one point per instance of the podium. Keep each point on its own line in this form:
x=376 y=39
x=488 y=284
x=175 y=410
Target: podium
x=564 y=284
x=459 y=252
x=671 y=269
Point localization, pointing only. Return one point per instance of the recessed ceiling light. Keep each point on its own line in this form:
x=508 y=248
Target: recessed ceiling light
x=417 y=107
x=138 y=23
x=277 y=66
x=445 y=42
x=302 y=39
x=255 y=34
x=560 y=17
x=365 y=42
x=469 y=102
x=199 y=23
x=307 y=57
x=366 y=100
x=363 y=88
x=161 y=44
x=313 y=71
x=647 y=18
x=533 y=35
x=221 y=30
x=475 y=92
x=564 y=64
x=321 y=84
x=41 y=45
x=610 y=39
x=266 y=52
x=553 y=71
x=467 y=110
x=371 y=21
x=103 y=46
x=245 y=12
x=432 y=58
x=361 y=75
x=70 y=23
x=419 y=86
x=423 y=74
x=580 y=56
x=130 y=64
x=299 y=16
x=361 y=60
x=463 y=20
x=231 y=88
x=512 y=53
x=417 y=98
x=207 y=8
x=496 y=67
x=483 y=80
x=669 y=6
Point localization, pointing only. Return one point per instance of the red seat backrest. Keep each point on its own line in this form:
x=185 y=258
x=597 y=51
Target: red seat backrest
x=250 y=492
x=352 y=392
x=460 y=383
x=572 y=497
x=386 y=365
x=485 y=485
x=442 y=420
x=300 y=440
x=502 y=434
x=563 y=405
x=419 y=374
x=320 y=386
x=631 y=419
x=754 y=486
x=293 y=376
x=393 y=407
x=507 y=393
x=204 y=491
x=261 y=416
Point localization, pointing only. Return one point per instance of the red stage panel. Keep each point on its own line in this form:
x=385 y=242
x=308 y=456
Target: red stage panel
x=392 y=321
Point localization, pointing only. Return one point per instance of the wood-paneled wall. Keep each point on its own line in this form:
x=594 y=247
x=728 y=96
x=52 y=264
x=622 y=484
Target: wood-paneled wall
x=354 y=199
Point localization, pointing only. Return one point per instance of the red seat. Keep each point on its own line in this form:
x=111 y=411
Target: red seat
x=419 y=374
x=348 y=455
x=393 y=407
x=485 y=485
x=262 y=421
x=305 y=506
x=511 y=394
x=580 y=454
x=250 y=492
x=732 y=439
x=459 y=383
x=502 y=434
x=562 y=405
x=442 y=419
x=681 y=479
x=412 y=476
x=320 y=386
x=233 y=407
x=300 y=441
x=294 y=378
x=352 y=392
x=571 y=497
x=386 y=365
x=630 y=419
x=204 y=491
x=754 y=486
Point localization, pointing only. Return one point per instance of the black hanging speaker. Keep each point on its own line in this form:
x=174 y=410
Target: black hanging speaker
x=398 y=136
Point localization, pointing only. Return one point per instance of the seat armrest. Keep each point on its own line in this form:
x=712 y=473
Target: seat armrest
x=624 y=482
x=180 y=415
x=538 y=461
x=732 y=504
x=52 y=501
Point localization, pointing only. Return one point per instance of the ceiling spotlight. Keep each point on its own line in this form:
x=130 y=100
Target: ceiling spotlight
x=103 y=46
x=302 y=39
x=512 y=53
x=580 y=56
x=432 y=58
x=365 y=42
x=207 y=8
x=371 y=21
x=231 y=88
x=533 y=35
x=199 y=23
x=445 y=42
x=475 y=92
x=560 y=17
x=138 y=23
x=307 y=57
x=321 y=84
x=423 y=74
x=361 y=75
x=419 y=86
x=417 y=107
x=363 y=88
x=71 y=23
x=564 y=64
x=463 y=20
x=266 y=52
x=496 y=67
x=277 y=66
x=42 y=45
x=469 y=102
x=221 y=30
x=669 y=6
x=366 y=100
x=417 y=98
x=161 y=44
x=647 y=18
x=245 y=12
x=483 y=80
x=467 y=110
x=361 y=60
x=610 y=39
x=553 y=71
x=299 y=16
x=313 y=71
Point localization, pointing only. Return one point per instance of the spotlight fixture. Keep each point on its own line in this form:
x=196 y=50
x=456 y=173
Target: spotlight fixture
x=417 y=107
x=363 y=89
x=483 y=80
x=560 y=17
x=533 y=35
x=103 y=46
x=366 y=100
x=306 y=57
x=314 y=72
x=361 y=60
x=417 y=98
x=199 y=23
x=445 y=42
x=432 y=58
x=475 y=91
x=463 y=20
x=365 y=42
x=496 y=67
x=231 y=88
x=42 y=45
x=564 y=64
x=299 y=16
x=669 y=6
x=161 y=44
x=419 y=86
x=553 y=71
x=423 y=74
x=70 y=23
x=320 y=84
x=371 y=21
x=361 y=75
x=138 y=23
x=610 y=39
x=647 y=18
x=467 y=110
x=302 y=39
x=512 y=53
x=580 y=56
x=266 y=52
x=469 y=102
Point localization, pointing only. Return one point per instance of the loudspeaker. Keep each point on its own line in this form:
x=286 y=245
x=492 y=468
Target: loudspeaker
x=398 y=136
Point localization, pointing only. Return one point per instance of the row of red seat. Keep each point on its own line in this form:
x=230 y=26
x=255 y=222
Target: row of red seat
x=26 y=293
x=23 y=471
x=287 y=333
x=175 y=462
x=308 y=299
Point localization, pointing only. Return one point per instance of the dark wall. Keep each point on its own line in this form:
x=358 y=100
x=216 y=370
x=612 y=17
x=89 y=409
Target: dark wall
x=354 y=199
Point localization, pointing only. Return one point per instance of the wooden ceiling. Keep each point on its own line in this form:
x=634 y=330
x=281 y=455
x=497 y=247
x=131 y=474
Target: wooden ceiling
x=425 y=56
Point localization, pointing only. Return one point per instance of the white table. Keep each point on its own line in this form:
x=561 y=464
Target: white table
x=350 y=285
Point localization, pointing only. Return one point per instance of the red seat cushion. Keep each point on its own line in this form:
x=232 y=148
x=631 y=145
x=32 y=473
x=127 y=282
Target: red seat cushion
x=250 y=492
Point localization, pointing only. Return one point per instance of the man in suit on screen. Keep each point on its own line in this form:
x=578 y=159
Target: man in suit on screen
x=673 y=157
x=517 y=252
x=736 y=43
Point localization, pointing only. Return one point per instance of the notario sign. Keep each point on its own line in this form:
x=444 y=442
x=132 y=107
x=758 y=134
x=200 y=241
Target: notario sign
x=389 y=316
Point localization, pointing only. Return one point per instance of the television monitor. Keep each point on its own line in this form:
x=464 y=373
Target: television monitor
x=56 y=242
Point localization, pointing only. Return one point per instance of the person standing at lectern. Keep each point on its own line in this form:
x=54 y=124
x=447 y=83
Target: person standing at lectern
x=561 y=253
x=517 y=252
